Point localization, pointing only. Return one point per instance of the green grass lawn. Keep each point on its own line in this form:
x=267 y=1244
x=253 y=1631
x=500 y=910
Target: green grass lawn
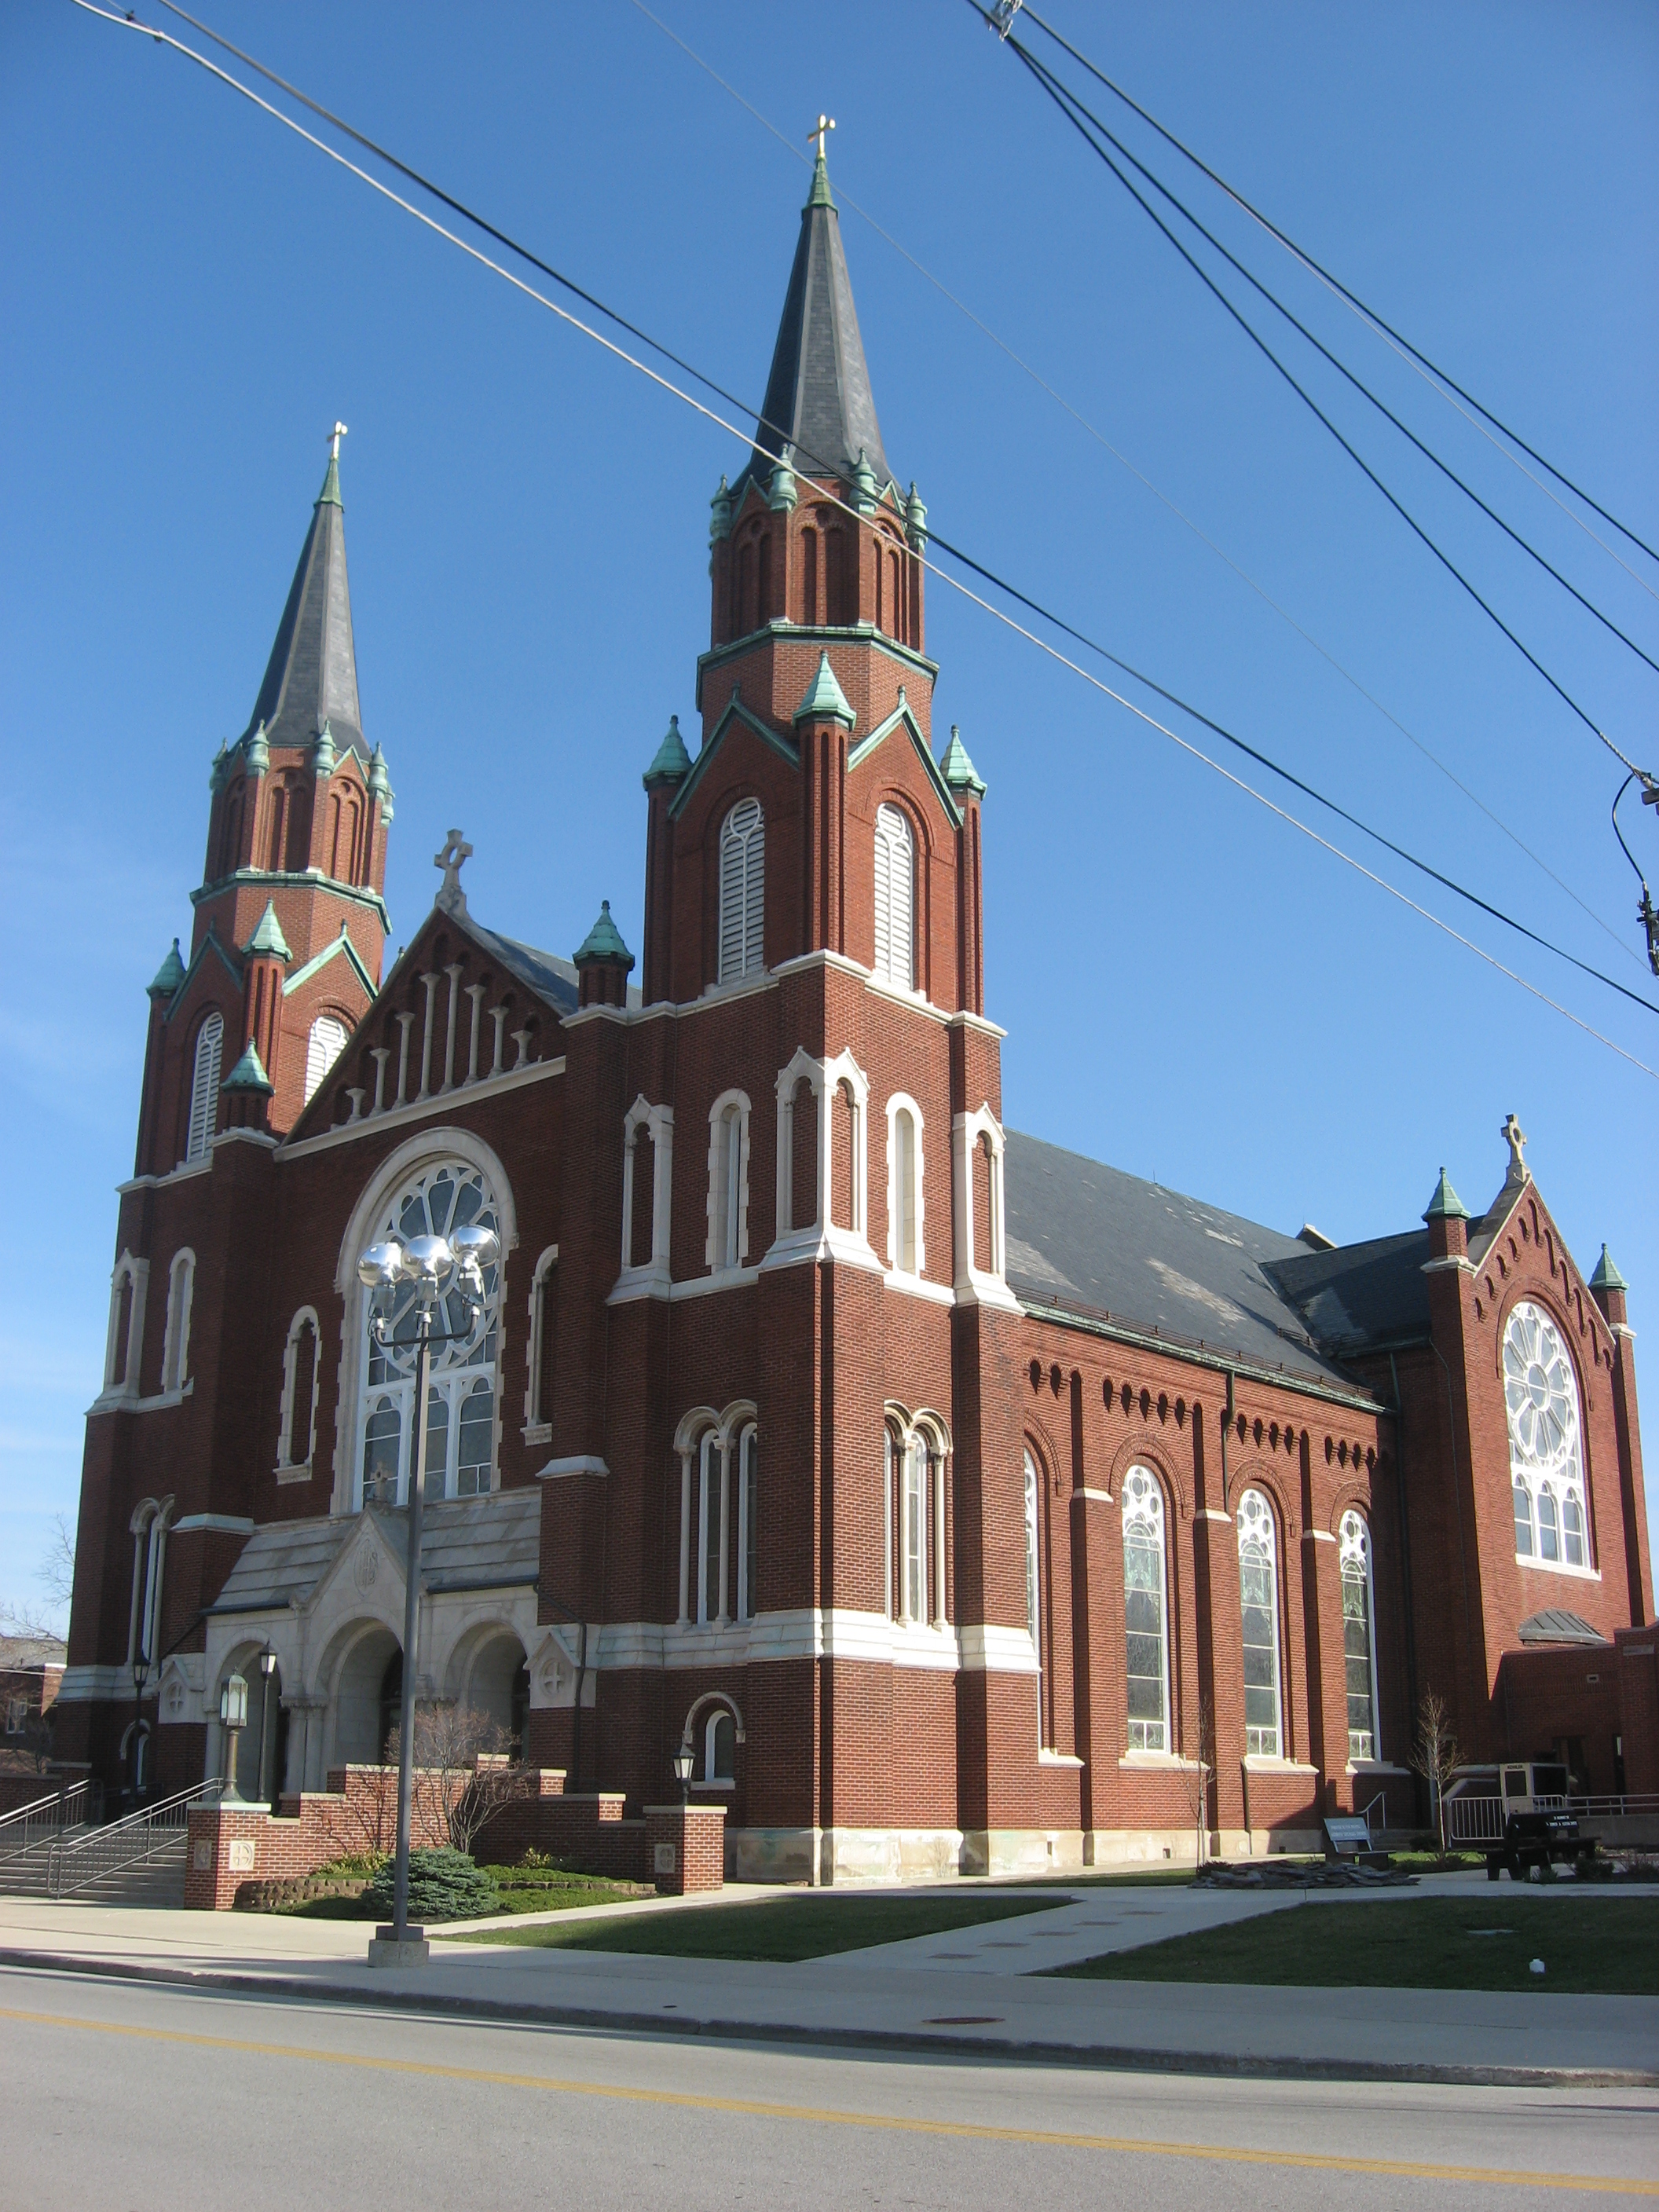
x=1593 y=1945
x=806 y=1924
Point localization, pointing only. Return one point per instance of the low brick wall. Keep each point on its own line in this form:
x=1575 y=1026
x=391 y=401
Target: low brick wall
x=17 y=1790
x=233 y=1845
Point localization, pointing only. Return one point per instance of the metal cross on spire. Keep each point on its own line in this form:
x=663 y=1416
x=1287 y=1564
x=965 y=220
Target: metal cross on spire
x=825 y=123
x=334 y=438
x=454 y=856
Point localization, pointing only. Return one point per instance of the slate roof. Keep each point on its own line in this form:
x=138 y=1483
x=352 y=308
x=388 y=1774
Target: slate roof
x=466 y=1543
x=1360 y=1296
x=311 y=675
x=818 y=399
x=1087 y=1236
x=549 y=975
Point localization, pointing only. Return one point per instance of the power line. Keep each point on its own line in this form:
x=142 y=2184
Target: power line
x=161 y=38
x=1336 y=285
x=846 y=199
x=1081 y=120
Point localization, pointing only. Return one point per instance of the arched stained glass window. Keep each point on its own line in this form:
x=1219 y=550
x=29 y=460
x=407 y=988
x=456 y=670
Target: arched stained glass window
x=1358 y=1636
x=1540 y=1400
x=1258 y=1591
x=460 y=1409
x=895 y=897
x=1143 y=1614
x=743 y=892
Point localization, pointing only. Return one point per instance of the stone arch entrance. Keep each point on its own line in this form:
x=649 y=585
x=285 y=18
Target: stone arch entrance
x=497 y=1684
x=371 y=1669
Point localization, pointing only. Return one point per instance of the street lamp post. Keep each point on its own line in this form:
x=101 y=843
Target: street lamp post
x=684 y=1760
x=232 y=1717
x=140 y=1676
x=431 y=1267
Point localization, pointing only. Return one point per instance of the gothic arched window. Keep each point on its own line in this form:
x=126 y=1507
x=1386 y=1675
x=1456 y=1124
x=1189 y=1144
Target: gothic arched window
x=895 y=898
x=1258 y=1591
x=323 y=1046
x=742 y=887
x=1358 y=1636
x=205 y=1088
x=1541 y=1399
x=1144 y=1612
x=461 y=1395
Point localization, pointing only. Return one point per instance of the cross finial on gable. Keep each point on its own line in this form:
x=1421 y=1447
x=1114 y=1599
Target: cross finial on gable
x=825 y=124
x=1516 y=1138
x=454 y=856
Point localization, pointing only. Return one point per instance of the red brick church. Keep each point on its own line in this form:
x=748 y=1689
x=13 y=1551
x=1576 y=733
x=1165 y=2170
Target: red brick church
x=948 y=1491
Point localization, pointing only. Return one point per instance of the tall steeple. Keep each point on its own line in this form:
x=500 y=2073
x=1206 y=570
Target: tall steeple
x=819 y=412
x=311 y=679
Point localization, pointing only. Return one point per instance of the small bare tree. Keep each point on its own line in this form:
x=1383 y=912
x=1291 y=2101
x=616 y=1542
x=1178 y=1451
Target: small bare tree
x=462 y=1772
x=1198 y=1765
x=1434 y=1755
x=57 y=1568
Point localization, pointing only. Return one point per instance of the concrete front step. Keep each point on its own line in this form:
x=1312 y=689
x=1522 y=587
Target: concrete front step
x=156 y=1879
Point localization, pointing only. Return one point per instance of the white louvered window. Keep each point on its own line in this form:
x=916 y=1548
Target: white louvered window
x=895 y=898
x=205 y=1088
x=742 y=887
x=327 y=1041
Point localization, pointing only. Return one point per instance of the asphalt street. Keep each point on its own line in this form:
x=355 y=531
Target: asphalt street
x=131 y=2096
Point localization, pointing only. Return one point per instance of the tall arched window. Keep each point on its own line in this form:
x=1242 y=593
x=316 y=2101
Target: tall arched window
x=1034 y=1573
x=460 y=1408
x=1258 y=1591
x=742 y=888
x=713 y=1504
x=1144 y=1617
x=913 y=1534
x=904 y=1246
x=299 y=1414
x=175 y=1345
x=324 y=1045
x=205 y=1088
x=728 y=1181
x=1540 y=1397
x=895 y=897
x=747 y=1521
x=1358 y=1636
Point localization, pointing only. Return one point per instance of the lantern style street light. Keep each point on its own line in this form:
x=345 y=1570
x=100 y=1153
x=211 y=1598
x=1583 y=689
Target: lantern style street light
x=140 y=1676
x=232 y=1717
x=267 y=1670
x=684 y=1760
x=432 y=1267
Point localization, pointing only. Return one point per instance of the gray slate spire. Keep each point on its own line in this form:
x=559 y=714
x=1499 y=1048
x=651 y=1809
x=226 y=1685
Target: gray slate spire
x=819 y=409
x=311 y=678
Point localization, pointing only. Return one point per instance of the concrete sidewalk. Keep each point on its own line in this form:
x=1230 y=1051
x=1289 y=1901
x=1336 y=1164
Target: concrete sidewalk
x=990 y=1997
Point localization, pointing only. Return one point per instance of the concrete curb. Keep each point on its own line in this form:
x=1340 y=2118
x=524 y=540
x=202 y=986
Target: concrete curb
x=1114 y=2058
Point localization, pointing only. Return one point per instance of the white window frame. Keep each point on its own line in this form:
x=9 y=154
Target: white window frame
x=748 y=1515
x=135 y=1272
x=323 y=1050
x=1255 y=1513
x=914 y=1591
x=1546 y=1453
x=902 y=1104
x=151 y=1521
x=175 y=1342
x=306 y=1317
x=656 y=1123
x=1140 y=1496
x=711 y=1449
x=538 y=1420
x=711 y=1780
x=727 y=1245
x=1034 y=1484
x=1354 y=1546
x=895 y=897
x=740 y=943
x=818 y=1237
x=205 y=1074
x=974 y=1284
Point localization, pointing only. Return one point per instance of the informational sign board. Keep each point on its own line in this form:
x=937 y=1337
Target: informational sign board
x=1348 y=1835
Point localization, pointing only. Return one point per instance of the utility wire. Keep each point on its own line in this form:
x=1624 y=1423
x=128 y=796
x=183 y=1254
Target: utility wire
x=1401 y=343
x=846 y=199
x=1081 y=121
x=161 y=38
x=1341 y=366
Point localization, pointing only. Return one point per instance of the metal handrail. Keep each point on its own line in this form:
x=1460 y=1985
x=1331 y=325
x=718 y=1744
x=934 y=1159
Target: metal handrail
x=30 y=1825
x=90 y=1858
x=1365 y=1812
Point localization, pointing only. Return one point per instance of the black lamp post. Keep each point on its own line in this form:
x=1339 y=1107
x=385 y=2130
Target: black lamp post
x=140 y=1676
x=432 y=1266
x=232 y=1717
x=683 y=1761
x=267 y=1669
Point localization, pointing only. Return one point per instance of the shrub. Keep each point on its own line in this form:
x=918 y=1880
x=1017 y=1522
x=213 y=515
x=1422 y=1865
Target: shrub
x=443 y=1885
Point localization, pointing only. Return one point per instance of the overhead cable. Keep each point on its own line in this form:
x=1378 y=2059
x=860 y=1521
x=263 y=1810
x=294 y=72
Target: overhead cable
x=161 y=38
x=1429 y=368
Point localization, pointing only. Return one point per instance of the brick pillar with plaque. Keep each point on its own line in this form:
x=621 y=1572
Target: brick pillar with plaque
x=685 y=1848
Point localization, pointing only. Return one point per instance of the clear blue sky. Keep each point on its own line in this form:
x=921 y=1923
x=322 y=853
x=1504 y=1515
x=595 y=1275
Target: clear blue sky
x=189 y=296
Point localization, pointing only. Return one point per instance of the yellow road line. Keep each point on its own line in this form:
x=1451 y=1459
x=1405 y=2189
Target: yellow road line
x=822 y=2116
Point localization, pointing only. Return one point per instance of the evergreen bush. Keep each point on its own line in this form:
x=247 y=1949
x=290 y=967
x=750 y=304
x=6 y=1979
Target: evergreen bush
x=443 y=1885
